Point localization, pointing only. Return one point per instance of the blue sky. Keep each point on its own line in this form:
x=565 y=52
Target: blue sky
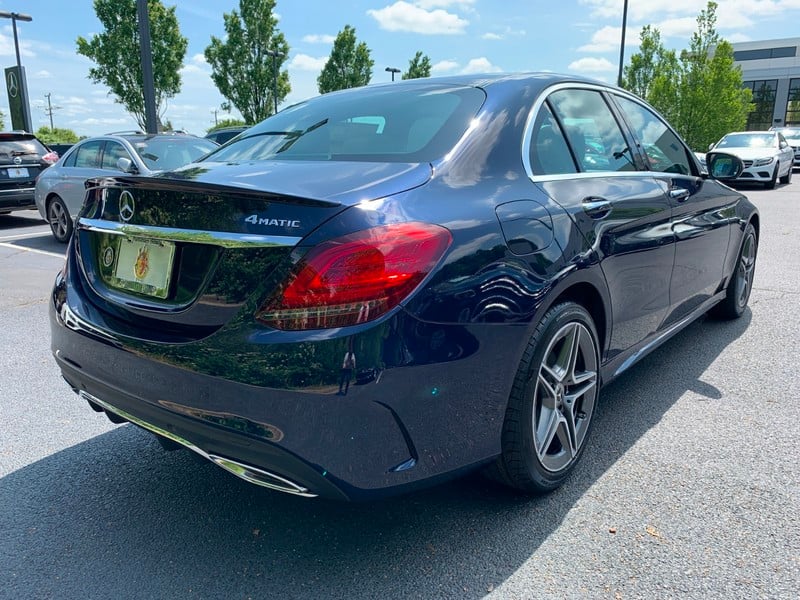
x=460 y=36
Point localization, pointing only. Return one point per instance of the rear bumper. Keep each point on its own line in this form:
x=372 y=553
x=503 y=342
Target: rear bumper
x=17 y=199
x=407 y=426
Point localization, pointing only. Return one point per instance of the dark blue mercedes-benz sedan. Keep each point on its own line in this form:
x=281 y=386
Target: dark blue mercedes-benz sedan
x=384 y=287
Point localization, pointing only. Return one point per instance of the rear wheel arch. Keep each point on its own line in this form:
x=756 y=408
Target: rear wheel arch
x=590 y=298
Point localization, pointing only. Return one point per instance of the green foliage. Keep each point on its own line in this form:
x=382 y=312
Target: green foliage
x=57 y=135
x=2 y=120
x=242 y=69
x=116 y=53
x=348 y=66
x=699 y=91
x=222 y=123
x=419 y=66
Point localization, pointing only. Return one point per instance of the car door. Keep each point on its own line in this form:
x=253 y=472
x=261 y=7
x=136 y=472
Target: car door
x=581 y=158
x=83 y=162
x=702 y=210
x=786 y=153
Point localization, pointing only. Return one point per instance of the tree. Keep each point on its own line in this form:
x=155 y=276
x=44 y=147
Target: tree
x=57 y=135
x=349 y=64
x=116 y=54
x=242 y=68
x=699 y=91
x=2 y=120
x=419 y=66
x=222 y=123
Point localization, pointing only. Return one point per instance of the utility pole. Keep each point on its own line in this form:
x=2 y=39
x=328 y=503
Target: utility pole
x=216 y=122
x=622 y=42
x=49 y=110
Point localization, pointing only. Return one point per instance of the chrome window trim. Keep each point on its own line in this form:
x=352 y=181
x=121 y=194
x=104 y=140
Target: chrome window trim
x=534 y=112
x=195 y=236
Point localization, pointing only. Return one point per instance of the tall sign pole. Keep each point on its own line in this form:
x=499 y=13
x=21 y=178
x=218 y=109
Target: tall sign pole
x=622 y=42
x=17 y=82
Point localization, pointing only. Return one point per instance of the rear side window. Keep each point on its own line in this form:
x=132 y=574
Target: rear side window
x=663 y=149
x=385 y=125
x=88 y=155
x=593 y=133
x=550 y=154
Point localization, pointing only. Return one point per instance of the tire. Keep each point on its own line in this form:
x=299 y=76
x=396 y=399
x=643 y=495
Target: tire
x=737 y=293
x=552 y=402
x=59 y=219
x=770 y=185
x=786 y=179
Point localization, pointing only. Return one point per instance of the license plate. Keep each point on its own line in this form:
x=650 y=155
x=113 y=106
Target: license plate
x=144 y=266
x=17 y=172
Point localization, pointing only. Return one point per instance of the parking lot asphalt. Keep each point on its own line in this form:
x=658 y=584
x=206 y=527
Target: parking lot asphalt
x=690 y=486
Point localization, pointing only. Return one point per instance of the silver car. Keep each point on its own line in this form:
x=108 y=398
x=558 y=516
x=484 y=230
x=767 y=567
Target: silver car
x=767 y=156
x=792 y=135
x=60 y=189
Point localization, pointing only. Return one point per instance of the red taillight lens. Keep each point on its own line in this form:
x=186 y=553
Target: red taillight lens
x=50 y=158
x=357 y=277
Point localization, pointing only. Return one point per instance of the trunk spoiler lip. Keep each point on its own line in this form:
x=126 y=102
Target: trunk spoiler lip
x=204 y=187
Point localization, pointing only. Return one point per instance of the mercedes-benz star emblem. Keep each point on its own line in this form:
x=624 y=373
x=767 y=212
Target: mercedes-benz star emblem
x=126 y=206
x=17 y=160
x=13 y=86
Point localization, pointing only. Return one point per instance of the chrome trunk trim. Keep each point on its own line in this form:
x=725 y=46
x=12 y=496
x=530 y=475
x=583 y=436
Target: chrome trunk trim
x=194 y=236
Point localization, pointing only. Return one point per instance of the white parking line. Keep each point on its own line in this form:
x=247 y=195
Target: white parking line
x=22 y=236
x=34 y=250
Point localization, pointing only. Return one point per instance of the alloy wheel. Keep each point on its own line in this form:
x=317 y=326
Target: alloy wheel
x=744 y=271
x=58 y=220
x=565 y=396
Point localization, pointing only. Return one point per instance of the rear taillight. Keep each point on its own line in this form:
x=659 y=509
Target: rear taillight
x=50 y=158
x=356 y=278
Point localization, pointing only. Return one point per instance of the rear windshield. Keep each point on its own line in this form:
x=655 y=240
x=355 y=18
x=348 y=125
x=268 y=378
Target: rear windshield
x=166 y=153
x=21 y=146
x=374 y=125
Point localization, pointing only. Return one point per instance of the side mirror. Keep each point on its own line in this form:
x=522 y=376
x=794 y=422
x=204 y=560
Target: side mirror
x=723 y=166
x=710 y=146
x=126 y=165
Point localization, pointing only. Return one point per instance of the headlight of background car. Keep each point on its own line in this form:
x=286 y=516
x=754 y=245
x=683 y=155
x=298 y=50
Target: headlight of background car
x=760 y=162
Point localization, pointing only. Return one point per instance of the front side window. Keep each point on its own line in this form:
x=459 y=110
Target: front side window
x=592 y=130
x=383 y=125
x=663 y=149
x=113 y=152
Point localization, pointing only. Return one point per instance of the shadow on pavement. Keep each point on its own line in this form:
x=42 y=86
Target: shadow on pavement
x=116 y=516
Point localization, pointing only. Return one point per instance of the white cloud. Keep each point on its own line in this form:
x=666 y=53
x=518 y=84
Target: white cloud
x=402 y=16
x=607 y=39
x=739 y=37
x=304 y=62
x=199 y=59
x=444 y=66
x=444 y=3
x=190 y=68
x=316 y=38
x=43 y=74
x=480 y=65
x=492 y=36
x=591 y=65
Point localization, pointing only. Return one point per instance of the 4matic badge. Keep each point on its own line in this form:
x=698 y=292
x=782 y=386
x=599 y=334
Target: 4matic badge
x=256 y=220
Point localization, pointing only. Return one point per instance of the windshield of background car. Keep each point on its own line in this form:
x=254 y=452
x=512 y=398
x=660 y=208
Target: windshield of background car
x=167 y=153
x=748 y=140
x=379 y=125
x=28 y=148
x=792 y=134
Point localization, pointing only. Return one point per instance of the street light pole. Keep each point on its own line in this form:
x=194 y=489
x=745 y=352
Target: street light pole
x=392 y=70
x=26 y=110
x=275 y=56
x=622 y=42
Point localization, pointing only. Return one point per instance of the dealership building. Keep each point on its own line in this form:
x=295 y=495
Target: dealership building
x=772 y=70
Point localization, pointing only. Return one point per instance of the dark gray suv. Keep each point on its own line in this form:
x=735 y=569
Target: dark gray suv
x=22 y=158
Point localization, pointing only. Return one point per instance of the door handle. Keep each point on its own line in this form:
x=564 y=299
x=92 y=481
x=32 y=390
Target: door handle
x=679 y=194
x=595 y=207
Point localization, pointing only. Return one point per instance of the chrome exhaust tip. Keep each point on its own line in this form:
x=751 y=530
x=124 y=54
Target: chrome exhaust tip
x=249 y=473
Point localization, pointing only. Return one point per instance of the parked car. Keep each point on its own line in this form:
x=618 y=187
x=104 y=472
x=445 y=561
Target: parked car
x=60 y=149
x=223 y=134
x=792 y=135
x=60 y=192
x=22 y=158
x=384 y=287
x=767 y=155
